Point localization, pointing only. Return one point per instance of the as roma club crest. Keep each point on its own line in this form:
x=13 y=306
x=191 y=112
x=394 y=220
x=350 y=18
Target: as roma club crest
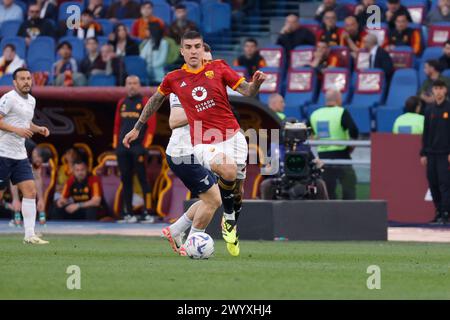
x=209 y=74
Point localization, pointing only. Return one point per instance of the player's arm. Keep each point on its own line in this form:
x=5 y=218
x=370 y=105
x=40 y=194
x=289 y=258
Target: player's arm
x=152 y=105
x=24 y=133
x=250 y=89
x=177 y=117
x=38 y=129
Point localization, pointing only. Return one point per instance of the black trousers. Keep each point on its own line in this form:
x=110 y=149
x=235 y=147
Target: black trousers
x=346 y=176
x=438 y=174
x=81 y=214
x=132 y=161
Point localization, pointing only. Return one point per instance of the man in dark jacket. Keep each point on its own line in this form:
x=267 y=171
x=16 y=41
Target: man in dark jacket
x=35 y=26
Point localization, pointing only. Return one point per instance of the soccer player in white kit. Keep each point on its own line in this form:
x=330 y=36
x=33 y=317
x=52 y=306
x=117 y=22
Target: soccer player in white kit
x=16 y=115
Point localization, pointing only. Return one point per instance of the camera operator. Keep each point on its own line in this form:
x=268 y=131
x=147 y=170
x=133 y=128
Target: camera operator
x=333 y=122
x=299 y=170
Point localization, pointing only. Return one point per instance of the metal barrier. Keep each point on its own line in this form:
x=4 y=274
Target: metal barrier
x=352 y=143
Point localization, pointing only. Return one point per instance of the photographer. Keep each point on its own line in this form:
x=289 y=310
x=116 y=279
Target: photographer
x=333 y=122
x=299 y=170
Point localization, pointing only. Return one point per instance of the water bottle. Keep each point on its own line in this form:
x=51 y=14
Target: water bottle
x=281 y=239
x=42 y=219
x=17 y=219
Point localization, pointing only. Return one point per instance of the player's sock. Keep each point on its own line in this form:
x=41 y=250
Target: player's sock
x=181 y=225
x=237 y=205
x=226 y=192
x=29 y=216
x=195 y=230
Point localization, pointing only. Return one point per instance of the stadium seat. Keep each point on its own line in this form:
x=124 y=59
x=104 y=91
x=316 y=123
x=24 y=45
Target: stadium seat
x=77 y=47
x=135 y=65
x=162 y=10
x=128 y=23
x=42 y=47
x=300 y=91
x=446 y=73
x=385 y=118
x=301 y=56
x=253 y=172
x=62 y=11
x=22 y=6
x=102 y=40
x=6 y=80
x=429 y=53
x=271 y=85
x=438 y=33
x=216 y=17
x=10 y=28
x=156 y=163
x=171 y=199
x=369 y=89
x=333 y=78
x=108 y=171
x=343 y=55
x=242 y=71
x=107 y=26
x=193 y=12
x=417 y=9
x=310 y=24
x=402 y=57
x=49 y=176
x=101 y=80
x=362 y=60
x=274 y=56
x=18 y=42
x=41 y=64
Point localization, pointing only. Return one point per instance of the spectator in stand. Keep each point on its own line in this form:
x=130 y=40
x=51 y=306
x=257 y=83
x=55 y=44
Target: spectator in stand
x=81 y=197
x=181 y=24
x=10 y=61
x=323 y=58
x=112 y=64
x=154 y=51
x=122 y=42
x=97 y=8
x=432 y=70
x=251 y=59
x=10 y=11
x=378 y=58
x=341 y=10
x=403 y=35
x=329 y=32
x=276 y=104
x=441 y=13
x=411 y=122
x=445 y=58
x=93 y=61
x=292 y=35
x=65 y=69
x=89 y=28
x=240 y=9
x=352 y=36
x=65 y=170
x=123 y=9
x=140 y=28
x=35 y=26
x=361 y=12
x=394 y=9
x=49 y=9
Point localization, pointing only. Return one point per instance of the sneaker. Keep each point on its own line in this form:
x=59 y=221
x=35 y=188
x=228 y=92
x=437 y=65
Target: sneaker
x=234 y=248
x=229 y=231
x=182 y=252
x=147 y=218
x=174 y=241
x=444 y=217
x=34 y=240
x=128 y=219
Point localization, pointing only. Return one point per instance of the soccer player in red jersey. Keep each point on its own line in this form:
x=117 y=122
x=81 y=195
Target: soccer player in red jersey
x=218 y=143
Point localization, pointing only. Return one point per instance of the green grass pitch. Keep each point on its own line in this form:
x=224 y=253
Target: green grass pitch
x=115 y=267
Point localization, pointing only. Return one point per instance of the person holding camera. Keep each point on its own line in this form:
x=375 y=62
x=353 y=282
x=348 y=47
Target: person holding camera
x=333 y=122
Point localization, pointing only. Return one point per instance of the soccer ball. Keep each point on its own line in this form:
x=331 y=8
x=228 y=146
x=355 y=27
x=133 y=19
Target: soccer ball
x=199 y=245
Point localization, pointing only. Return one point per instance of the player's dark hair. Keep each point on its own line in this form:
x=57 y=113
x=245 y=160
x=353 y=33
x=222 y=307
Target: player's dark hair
x=11 y=46
x=439 y=84
x=206 y=47
x=64 y=43
x=412 y=103
x=19 y=70
x=252 y=40
x=190 y=35
x=435 y=64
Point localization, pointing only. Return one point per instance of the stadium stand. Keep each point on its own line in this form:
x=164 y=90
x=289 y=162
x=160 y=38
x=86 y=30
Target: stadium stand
x=18 y=42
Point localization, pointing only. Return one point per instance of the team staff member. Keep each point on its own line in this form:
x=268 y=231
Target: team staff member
x=411 y=122
x=333 y=122
x=435 y=154
x=81 y=197
x=131 y=160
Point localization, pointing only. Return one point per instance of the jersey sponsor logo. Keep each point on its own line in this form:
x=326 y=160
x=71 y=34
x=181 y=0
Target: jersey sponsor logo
x=209 y=74
x=199 y=93
x=183 y=84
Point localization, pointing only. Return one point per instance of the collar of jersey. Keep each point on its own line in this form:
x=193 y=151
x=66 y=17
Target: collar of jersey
x=186 y=68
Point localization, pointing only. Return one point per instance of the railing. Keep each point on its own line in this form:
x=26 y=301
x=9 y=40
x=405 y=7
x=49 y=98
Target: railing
x=353 y=143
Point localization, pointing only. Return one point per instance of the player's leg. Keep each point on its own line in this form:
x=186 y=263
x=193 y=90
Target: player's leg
x=211 y=201
x=238 y=193
x=125 y=162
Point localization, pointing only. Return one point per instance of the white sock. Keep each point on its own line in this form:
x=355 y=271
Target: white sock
x=29 y=216
x=181 y=225
x=194 y=230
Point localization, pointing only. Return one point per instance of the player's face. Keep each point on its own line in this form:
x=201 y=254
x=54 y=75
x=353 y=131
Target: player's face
x=439 y=93
x=132 y=85
x=207 y=57
x=23 y=82
x=192 y=50
x=80 y=171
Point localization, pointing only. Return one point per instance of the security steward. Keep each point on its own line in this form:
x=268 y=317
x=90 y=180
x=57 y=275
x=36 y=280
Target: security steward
x=435 y=153
x=132 y=160
x=411 y=122
x=333 y=122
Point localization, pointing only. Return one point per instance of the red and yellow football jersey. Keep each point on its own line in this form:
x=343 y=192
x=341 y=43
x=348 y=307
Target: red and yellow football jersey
x=204 y=97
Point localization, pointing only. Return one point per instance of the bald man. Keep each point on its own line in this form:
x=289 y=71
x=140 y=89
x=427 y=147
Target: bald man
x=379 y=58
x=132 y=161
x=292 y=35
x=276 y=104
x=352 y=36
x=333 y=122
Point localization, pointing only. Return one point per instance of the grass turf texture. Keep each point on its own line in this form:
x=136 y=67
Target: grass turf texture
x=114 y=267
